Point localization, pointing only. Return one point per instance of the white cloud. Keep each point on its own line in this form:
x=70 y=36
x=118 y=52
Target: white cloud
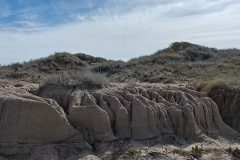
x=141 y=31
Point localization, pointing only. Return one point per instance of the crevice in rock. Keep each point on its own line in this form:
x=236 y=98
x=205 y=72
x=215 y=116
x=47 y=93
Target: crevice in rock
x=167 y=110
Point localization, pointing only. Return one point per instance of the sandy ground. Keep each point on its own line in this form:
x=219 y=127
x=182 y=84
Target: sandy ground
x=213 y=150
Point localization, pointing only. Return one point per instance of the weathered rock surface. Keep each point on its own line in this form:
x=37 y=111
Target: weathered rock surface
x=32 y=127
x=3 y=158
x=88 y=157
x=43 y=153
x=25 y=118
x=228 y=101
x=139 y=112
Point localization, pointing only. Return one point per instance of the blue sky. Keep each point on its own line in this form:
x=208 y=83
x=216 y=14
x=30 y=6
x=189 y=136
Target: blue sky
x=114 y=29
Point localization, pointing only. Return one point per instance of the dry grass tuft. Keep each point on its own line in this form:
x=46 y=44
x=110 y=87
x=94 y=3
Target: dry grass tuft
x=83 y=79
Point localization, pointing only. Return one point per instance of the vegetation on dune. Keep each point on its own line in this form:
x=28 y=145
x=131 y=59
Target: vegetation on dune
x=208 y=86
x=110 y=67
x=181 y=62
x=38 y=70
x=83 y=79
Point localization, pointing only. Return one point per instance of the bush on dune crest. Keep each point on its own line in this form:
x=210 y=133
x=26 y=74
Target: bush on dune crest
x=207 y=86
x=82 y=79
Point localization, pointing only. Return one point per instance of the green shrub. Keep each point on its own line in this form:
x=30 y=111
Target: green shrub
x=132 y=151
x=180 y=45
x=16 y=66
x=90 y=59
x=109 y=67
x=17 y=75
x=196 y=150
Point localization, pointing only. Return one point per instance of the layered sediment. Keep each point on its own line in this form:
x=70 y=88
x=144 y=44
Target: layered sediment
x=62 y=117
x=139 y=112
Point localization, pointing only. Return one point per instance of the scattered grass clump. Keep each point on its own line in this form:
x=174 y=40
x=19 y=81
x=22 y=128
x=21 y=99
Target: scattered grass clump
x=181 y=152
x=234 y=152
x=83 y=79
x=131 y=153
x=196 y=152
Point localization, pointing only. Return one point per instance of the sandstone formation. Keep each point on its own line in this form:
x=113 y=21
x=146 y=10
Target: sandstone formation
x=53 y=122
x=228 y=101
x=140 y=112
x=25 y=118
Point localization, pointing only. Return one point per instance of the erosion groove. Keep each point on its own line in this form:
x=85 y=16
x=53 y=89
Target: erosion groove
x=28 y=118
x=140 y=112
x=60 y=122
x=228 y=101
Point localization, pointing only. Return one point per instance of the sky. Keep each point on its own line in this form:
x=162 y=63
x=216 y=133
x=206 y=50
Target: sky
x=113 y=29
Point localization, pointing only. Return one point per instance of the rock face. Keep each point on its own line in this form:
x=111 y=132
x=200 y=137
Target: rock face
x=139 y=112
x=228 y=101
x=32 y=126
x=25 y=118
